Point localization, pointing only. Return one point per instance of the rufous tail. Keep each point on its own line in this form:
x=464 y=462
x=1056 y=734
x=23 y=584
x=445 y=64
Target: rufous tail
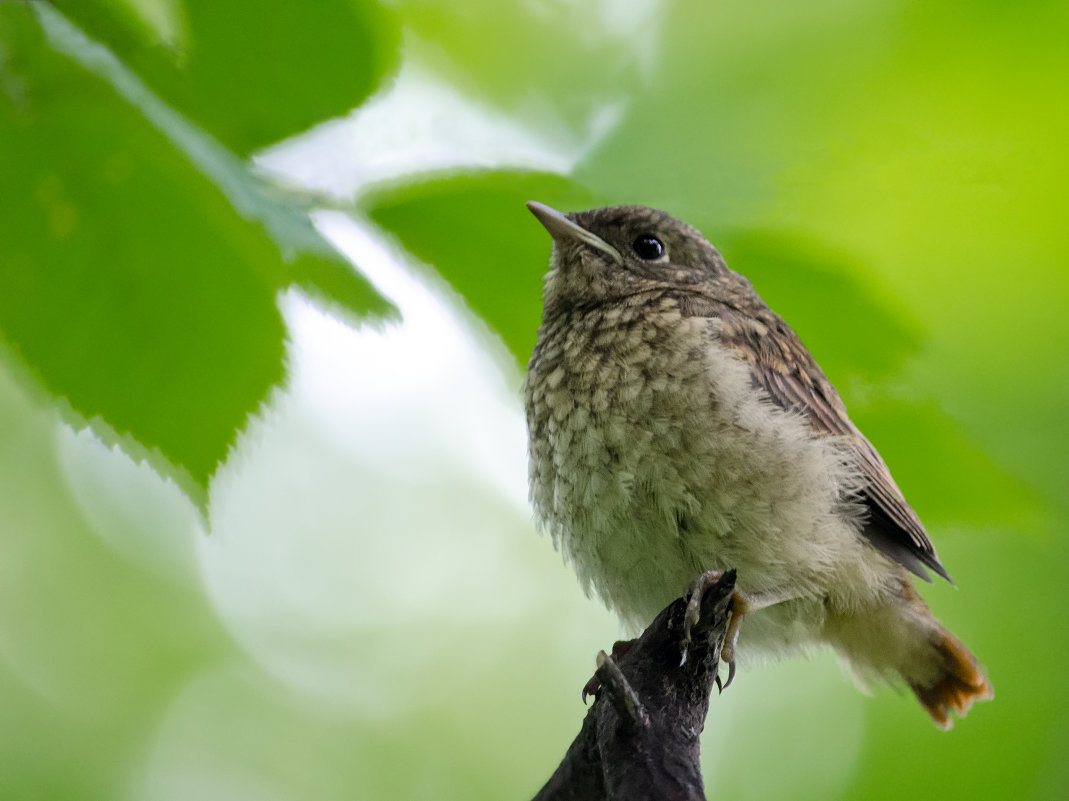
x=959 y=683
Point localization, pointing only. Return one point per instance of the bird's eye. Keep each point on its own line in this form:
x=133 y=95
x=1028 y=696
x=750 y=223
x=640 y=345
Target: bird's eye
x=648 y=247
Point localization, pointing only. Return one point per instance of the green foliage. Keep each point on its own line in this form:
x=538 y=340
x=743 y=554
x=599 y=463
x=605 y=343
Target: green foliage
x=134 y=287
x=371 y=614
x=241 y=70
x=456 y=224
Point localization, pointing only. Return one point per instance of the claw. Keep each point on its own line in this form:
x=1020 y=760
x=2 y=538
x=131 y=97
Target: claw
x=731 y=675
x=727 y=655
x=740 y=605
x=619 y=650
x=694 y=609
x=694 y=606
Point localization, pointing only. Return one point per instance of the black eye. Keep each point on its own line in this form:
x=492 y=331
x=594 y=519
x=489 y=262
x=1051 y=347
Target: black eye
x=648 y=247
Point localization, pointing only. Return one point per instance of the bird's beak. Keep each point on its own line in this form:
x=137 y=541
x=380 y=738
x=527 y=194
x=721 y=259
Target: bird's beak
x=560 y=227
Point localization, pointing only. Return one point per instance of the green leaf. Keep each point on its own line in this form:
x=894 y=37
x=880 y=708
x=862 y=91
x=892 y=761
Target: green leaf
x=845 y=323
x=947 y=478
x=475 y=231
x=252 y=73
x=133 y=288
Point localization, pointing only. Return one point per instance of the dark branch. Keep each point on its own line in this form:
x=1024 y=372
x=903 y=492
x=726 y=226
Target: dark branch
x=640 y=738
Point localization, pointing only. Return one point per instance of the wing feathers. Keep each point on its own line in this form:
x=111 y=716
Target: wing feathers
x=782 y=366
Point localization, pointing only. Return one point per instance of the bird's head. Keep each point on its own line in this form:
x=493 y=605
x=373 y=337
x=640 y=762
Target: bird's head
x=608 y=253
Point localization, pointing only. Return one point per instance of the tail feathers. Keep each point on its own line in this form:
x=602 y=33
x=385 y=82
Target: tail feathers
x=959 y=682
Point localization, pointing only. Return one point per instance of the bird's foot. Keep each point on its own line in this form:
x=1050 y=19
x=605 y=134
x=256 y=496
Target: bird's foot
x=619 y=648
x=740 y=605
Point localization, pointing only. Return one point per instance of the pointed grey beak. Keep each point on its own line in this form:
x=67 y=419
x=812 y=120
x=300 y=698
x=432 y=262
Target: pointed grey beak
x=560 y=227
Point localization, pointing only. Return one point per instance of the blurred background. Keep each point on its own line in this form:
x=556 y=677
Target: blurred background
x=267 y=288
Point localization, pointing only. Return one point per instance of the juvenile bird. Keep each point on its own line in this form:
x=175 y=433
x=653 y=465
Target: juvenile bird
x=678 y=426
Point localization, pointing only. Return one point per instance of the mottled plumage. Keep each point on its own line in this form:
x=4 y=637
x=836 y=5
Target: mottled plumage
x=677 y=425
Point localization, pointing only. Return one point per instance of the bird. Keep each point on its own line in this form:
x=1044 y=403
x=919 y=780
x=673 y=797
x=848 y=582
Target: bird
x=678 y=428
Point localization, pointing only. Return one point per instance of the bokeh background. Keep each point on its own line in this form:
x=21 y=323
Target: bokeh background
x=267 y=287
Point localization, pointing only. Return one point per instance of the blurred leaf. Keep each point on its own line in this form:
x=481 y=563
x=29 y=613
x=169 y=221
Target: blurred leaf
x=252 y=73
x=947 y=478
x=498 y=51
x=476 y=232
x=92 y=647
x=131 y=286
x=844 y=323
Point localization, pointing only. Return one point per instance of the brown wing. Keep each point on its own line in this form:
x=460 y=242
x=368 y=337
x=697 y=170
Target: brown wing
x=782 y=366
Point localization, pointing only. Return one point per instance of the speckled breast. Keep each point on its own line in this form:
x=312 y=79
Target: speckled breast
x=618 y=411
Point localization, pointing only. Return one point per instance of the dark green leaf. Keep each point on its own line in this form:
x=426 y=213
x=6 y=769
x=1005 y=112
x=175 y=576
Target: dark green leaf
x=252 y=73
x=131 y=286
x=476 y=231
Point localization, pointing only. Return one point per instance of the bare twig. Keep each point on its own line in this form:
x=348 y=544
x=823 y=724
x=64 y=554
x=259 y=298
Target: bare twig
x=640 y=738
